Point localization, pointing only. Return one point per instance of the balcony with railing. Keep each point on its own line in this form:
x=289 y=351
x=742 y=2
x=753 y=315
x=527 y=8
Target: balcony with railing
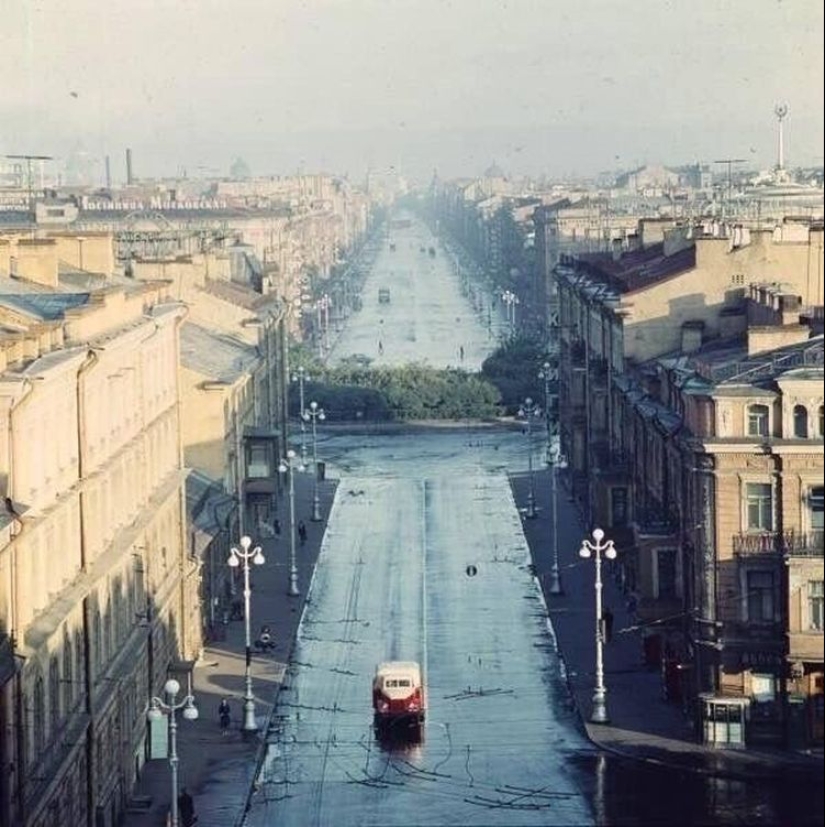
x=790 y=543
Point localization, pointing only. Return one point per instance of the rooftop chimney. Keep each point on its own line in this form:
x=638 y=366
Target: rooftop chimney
x=129 y=178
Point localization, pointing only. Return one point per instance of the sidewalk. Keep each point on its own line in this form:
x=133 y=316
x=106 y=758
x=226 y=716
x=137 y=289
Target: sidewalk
x=218 y=769
x=643 y=725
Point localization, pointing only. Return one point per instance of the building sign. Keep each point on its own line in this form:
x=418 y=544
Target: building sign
x=154 y=203
x=761 y=658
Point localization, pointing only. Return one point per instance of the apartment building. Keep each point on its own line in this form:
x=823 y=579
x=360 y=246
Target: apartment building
x=669 y=370
x=95 y=577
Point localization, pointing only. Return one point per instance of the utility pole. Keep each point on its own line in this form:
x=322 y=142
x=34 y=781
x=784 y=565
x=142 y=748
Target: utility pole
x=730 y=162
x=28 y=159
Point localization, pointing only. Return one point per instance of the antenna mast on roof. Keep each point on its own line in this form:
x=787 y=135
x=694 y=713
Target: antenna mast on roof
x=730 y=162
x=28 y=159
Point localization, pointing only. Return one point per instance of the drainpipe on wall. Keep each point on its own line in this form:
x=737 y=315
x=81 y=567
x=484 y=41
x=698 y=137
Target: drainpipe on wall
x=15 y=408
x=183 y=556
x=19 y=710
x=708 y=617
x=784 y=605
x=90 y=361
x=239 y=465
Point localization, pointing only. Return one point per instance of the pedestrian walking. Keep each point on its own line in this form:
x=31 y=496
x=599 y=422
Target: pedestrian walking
x=302 y=532
x=607 y=620
x=276 y=527
x=225 y=716
x=186 y=809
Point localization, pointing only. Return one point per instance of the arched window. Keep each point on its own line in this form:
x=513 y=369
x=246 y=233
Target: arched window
x=758 y=420
x=800 y=422
x=821 y=420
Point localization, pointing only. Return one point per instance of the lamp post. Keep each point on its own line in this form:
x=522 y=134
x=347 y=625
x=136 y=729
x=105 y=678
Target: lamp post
x=555 y=460
x=511 y=300
x=315 y=413
x=323 y=304
x=546 y=374
x=300 y=376
x=528 y=410
x=190 y=712
x=599 y=714
x=290 y=465
x=237 y=555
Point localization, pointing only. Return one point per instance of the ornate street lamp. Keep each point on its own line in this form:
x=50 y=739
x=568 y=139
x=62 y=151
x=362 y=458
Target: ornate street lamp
x=237 y=556
x=599 y=714
x=556 y=460
x=289 y=465
x=528 y=411
x=511 y=300
x=157 y=707
x=315 y=413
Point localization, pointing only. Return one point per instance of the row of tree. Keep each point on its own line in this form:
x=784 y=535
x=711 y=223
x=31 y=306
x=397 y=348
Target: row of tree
x=356 y=391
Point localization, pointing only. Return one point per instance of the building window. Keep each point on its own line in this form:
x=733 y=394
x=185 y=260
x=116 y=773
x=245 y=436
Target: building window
x=821 y=417
x=68 y=677
x=800 y=422
x=759 y=506
x=816 y=509
x=763 y=688
x=39 y=718
x=666 y=573
x=760 y=596
x=618 y=507
x=758 y=420
x=54 y=696
x=815 y=605
x=257 y=461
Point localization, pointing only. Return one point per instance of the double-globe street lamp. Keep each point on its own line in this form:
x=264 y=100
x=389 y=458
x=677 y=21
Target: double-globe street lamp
x=597 y=547
x=157 y=707
x=511 y=300
x=289 y=465
x=300 y=376
x=314 y=413
x=556 y=460
x=238 y=556
x=528 y=411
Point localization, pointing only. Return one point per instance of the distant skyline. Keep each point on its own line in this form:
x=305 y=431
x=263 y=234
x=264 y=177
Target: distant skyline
x=537 y=86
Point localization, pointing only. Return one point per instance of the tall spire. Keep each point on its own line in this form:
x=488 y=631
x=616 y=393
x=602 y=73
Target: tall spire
x=781 y=110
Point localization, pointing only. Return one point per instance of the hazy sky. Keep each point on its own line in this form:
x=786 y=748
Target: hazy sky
x=539 y=86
